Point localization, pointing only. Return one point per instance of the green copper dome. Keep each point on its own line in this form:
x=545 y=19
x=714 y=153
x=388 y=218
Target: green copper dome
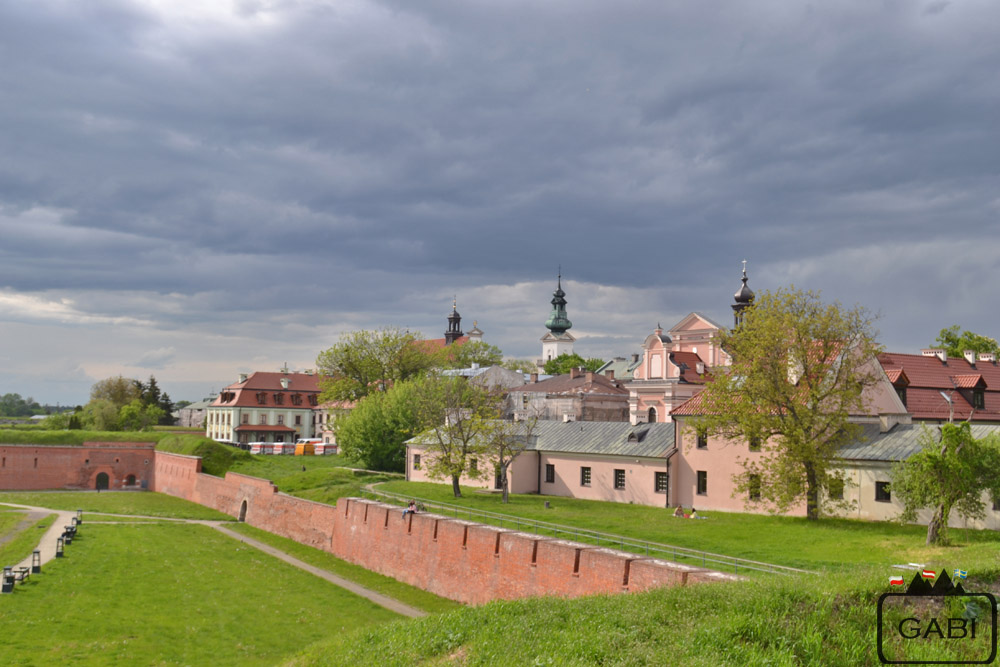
x=558 y=323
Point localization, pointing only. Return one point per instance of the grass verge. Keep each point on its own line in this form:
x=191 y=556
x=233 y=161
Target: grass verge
x=23 y=543
x=376 y=582
x=143 y=503
x=172 y=594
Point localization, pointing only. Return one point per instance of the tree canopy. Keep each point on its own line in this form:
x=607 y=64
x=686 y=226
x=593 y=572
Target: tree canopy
x=372 y=360
x=564 y=363
x=123 y=404
x=12 y=405
x=473 y=352
x=375 y=430
x=956 y=341
x=799 y=371
x=950 y=473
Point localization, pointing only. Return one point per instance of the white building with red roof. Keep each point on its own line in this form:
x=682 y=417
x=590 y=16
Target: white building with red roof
x=266 y=407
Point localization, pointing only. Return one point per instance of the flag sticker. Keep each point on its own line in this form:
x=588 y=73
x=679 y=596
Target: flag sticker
x=928 y=574
x=961 y=574
x=896 y=581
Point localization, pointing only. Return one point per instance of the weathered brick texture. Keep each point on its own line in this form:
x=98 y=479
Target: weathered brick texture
x=36 y=467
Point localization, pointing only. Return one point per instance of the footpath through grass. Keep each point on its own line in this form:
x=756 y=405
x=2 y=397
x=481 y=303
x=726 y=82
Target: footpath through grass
x=172 y=594
x=793 y=541
x=144 y=503
x=18 y=545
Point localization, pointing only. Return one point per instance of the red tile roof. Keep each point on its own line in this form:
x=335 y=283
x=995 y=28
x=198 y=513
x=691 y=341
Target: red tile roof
x=303 y=387
x=688 y=362
x=929 y=376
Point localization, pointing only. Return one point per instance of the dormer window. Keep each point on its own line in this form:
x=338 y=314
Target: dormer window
x=262 y=398
x=313 y=400
x=978 y=398
x=279 y=399
x=296 y=399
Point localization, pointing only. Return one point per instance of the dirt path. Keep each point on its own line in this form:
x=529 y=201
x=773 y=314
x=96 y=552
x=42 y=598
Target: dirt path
x=47 y=546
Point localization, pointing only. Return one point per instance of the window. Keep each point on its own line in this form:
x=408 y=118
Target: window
x=619 y=479
x=996 y=504
x=279 y=399
x=298 y=420
x=753 y=487
x=263 y=419
x=882 y=494
x=584 y=475
x=660 y=482
x=702 y=483
x=313 y=401
x=754 y=443
x=901 y=392
x=836 y=489
x=550 y=473
x=702 y=440
x=474 y=465
x=245 y=418
x=524 y=399
x=296 y=399
x=416 y=461
x=978 y=399
x=261 y=398
x=651 y=418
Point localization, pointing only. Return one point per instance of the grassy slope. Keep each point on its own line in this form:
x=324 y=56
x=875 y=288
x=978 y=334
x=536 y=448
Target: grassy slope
x=321 y=481
x=377 y=582
x=829 y=543
x=44 y=437
x=171 y=594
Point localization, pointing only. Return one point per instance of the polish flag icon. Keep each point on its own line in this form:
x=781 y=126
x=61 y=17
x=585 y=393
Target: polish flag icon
x=896 y=581
x=928 y=574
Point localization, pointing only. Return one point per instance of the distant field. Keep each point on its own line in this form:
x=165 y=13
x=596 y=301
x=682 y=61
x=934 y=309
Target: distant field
x=144 y=503
x=792 y=541
x=172 y=594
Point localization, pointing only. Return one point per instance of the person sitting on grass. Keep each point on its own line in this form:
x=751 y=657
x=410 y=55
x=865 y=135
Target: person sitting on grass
x=694 y=513
x=410 y=509
x=679 y=512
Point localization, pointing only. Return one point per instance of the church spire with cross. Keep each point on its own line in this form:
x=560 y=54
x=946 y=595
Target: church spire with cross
x=743 y=299
x=454 y=331
x=558 y=323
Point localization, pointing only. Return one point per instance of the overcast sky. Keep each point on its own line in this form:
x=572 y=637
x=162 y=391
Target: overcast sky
x=196 y=189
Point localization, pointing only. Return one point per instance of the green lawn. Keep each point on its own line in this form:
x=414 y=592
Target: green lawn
x=9 y=520
x=792 y=541
x=145 y=503
x=171 y=594
x=20 y=545
x=377 y=582
x=322 y=481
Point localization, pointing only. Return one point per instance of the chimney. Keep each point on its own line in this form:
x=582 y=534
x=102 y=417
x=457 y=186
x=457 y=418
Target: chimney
x=970 y=356
x=590 y=376
x=700 y=367
x=935 y=352
x=534 y=378
x=610 y=374
x=284 y=383
x=243 y=378
x=988 y=356
x=475 y=366
x=567 y=417
x=574 y=373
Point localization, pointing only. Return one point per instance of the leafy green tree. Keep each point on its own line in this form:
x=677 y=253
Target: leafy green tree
x=799 y=371
x=366 y=361
x=505 y=441
x=955 y=342
x=12 y=405
x=118 y=390
x=566 y=362
x=100 y=414
x=375 y=431
x=137 y=416
x=457 y=417
x=473 y=352
x=952 y=473
x=522 y=365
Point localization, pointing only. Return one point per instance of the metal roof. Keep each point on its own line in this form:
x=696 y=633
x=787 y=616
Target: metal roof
x=604 y=438
x=900 y=442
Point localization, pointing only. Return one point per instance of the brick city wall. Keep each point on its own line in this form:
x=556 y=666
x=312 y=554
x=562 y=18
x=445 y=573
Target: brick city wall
x=37 y=467
x=473 y=563
x=266 y=508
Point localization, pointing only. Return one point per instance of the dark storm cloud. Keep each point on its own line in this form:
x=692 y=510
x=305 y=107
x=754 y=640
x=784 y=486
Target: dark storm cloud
x=197 y=164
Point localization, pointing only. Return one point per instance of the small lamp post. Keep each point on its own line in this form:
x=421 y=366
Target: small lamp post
x=59 y=547
x=74 y=521
x=36 y=561
x=7 y=581
x=79 y=516
x=67 y=535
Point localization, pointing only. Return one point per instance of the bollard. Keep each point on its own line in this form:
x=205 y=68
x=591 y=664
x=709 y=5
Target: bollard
x=36 y=561
x=79 y=516
x=59 y=547
x=7 y=580
x=67 y=536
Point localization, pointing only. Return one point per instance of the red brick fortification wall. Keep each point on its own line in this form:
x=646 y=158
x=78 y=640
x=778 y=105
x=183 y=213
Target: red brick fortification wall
x=35 y=467
x=473 y=563
x=302 y=520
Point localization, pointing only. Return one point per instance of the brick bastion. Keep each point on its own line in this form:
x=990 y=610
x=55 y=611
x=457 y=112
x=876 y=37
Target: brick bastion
x=461 y=560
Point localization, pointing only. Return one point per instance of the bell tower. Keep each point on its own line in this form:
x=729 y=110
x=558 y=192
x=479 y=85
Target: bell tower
x=743 y=299
x=454 y=331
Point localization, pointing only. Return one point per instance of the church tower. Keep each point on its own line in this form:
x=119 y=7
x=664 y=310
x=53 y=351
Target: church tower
x=558 y=340
x=744 y=299
x=454 y=331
